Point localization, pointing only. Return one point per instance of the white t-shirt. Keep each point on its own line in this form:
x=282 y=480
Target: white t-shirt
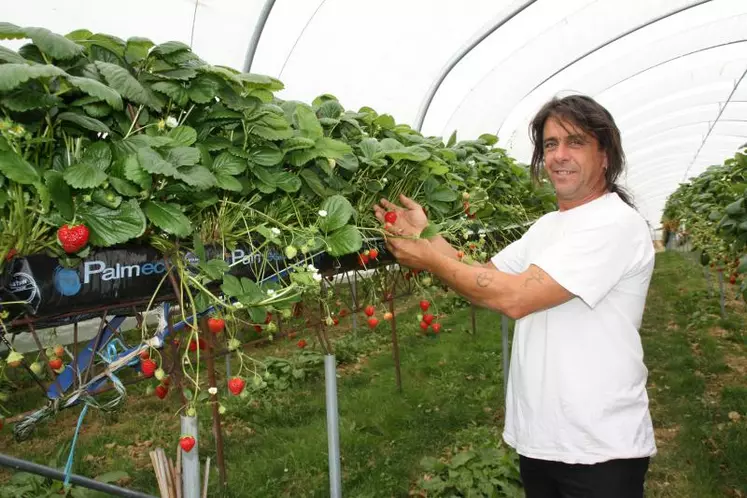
x=577 y=381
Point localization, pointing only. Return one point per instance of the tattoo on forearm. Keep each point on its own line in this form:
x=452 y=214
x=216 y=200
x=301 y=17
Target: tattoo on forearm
x=484 y=279
x=535 y=275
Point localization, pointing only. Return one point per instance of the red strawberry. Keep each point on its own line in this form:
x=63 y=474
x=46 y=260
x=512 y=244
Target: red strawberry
x=236 y=385
x=423 y=325
x=363 y=259
x=733 y=279
x=258 y=329
x=388 y=316
x=268 y=318
x=390 y=217
x=192 y=345
x=436 y=328
x=373 y=253
x=336 y=321
x=216 y=325
x=11 y=253
x=73 y=238
x=460 y=254
x=301 y=344
x=59 y=351
x=161 y=391
x=343 y=313
x=148 y=367
x=187 y=443
x=373 y=322
x=144 y=354
x=428 y=318
x=369 y=310
x=55 y=363
x=166 y=381
x=425 y=304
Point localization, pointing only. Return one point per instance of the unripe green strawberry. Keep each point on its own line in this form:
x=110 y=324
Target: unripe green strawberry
x=37 y=368
x=291 y=252
x=234 y=344
x=271 y=327
x=160 y=374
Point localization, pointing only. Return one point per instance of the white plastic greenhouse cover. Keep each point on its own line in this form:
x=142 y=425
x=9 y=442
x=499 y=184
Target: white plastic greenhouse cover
x=670 y=71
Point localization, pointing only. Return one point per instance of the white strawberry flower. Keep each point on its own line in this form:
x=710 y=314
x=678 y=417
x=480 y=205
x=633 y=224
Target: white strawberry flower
x=317 y=277
x=171 y=122
x=322 y=213
x=275 y=230
x=213 y=390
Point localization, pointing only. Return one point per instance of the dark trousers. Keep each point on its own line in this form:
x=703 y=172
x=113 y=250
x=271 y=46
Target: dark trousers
x=612 y=479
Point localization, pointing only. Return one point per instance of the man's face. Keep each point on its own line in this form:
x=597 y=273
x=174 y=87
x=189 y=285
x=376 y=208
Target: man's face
x=574 y=163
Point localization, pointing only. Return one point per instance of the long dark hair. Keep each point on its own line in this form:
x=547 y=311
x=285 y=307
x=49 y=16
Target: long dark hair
x=588 y=115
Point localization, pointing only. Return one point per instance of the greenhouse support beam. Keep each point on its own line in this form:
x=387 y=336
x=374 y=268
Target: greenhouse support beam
x=603 y=45
x=257 y=34
x=715 y=121
x=44 y=471
x=456 y=58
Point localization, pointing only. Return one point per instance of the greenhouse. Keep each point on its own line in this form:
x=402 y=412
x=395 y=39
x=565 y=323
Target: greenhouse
x=339 y=248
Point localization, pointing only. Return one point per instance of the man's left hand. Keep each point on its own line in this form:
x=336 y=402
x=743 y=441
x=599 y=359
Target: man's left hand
x=411 y=252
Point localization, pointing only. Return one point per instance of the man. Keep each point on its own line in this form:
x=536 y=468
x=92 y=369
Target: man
x=576 y=408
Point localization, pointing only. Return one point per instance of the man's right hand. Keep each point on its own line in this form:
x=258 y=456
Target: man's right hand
x=411 y=220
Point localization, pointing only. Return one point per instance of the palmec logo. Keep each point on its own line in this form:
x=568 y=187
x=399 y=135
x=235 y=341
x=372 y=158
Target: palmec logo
x=24 y=287
x=68 y=282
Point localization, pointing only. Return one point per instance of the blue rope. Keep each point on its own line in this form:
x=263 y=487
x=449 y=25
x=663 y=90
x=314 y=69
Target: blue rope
x=69 y=465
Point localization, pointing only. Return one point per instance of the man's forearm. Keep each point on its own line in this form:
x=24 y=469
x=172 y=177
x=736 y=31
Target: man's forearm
x=443 y=247
x=483 y=286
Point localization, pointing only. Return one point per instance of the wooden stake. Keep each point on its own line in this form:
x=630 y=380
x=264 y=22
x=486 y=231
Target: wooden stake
x=207 y=475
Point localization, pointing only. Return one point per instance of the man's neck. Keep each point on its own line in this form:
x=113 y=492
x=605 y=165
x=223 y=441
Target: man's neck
x=574 y=203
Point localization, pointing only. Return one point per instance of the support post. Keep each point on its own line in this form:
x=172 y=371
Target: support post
x=190 y=461
x=217 y=430
x=505 y=353
x=333 y=435
x=721 y=292
x=395 y=346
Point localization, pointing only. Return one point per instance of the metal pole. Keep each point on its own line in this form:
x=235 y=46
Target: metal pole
x=190 y=461
x=506 y=353
x=333 y=435
x=217 y=430
x=254 y=41
x=44 y=471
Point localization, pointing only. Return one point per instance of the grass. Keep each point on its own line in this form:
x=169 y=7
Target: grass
x=276 y=441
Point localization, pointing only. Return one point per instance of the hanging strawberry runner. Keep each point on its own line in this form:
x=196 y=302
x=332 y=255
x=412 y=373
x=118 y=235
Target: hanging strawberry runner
x=131 y=170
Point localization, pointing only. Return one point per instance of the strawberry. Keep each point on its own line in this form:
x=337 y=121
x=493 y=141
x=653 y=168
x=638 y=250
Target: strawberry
x=2 y=421
x=236 y=385
x=187 y=443
x=390 y=217
x=144 y=354
x=14 y=359
x=59 y=351
x=460 y=254
x=166 y=381
x=423 y=325
x=343 y=313
x=73 y=238
x=373 y=322
x=55 y=363
x=192 y=345
x=37 y=368
x=428 y=318
x=301 y=344
x=161 y=391
x=11 y=254
x=216 y=325
x=148 y=367
x=425 y=304
x=373 y=253
x=336 y=321
x=369 y=310
x=733 y=279
x=388 y=316
x=363 y=259
x=436 y=328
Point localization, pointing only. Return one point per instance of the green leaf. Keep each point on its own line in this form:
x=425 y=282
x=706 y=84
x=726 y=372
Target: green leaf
x=203 y=89
x=8 y=55
x=28 y=99
x=152 y=162
x=183 y=156
x=339 y=211
x=123 y=187
x=306 y=121
x=349 y=162
x=430 y=231
x=170 y=47
x=462 y=458
x=17 y=169
x=314 y=182
x=123 y=82
x=113 y=226
x=60 y=192
x=197 y=176
x=267 y=155
x=135 y=173
x=84 y=122
x=183 y=135
x=331 y=148
x=488 y=138
x=98 y=154
x=84 y=176
x=298 y=143
x=168 y=217
x=173 y=90
x=442 y=193
x=106 y=198
x=183 y=74
x=370 y=147
x=97 y=89
x=412 y=153
x=228 y=164
x=13 y=75
x=137 y=49
x=228 y=182
x=113 y=476
x=52 y=44
x=736 y=207
x=346 y=240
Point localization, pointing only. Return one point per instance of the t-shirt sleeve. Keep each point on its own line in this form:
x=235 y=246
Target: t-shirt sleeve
x=589 y=262
x=512 y=258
